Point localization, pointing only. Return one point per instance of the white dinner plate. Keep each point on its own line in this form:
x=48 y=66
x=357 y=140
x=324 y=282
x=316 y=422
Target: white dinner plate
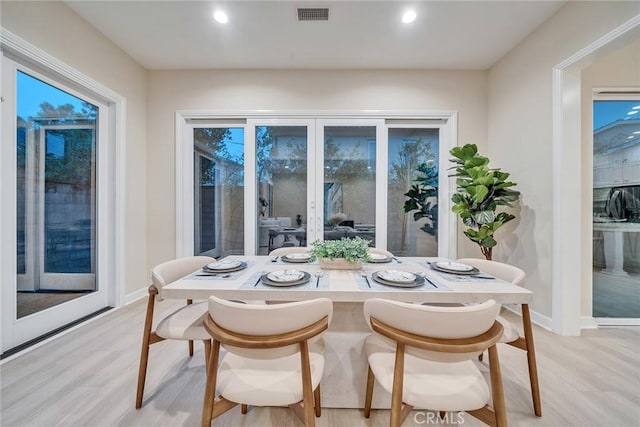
x=416 y=283
x=379 y=258
x=223 y=265
x=285 y=276
x=397 y=276
x=454 y=266
x=297 y=256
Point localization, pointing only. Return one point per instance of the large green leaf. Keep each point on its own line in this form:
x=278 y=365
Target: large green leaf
x=481 y=192
x=483 y=217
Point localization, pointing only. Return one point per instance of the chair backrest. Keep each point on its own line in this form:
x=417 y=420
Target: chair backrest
x=380 y=251
x=265 y=320
x=434 y=322
x=506 y=272
x=170 y=271
x=289 y=250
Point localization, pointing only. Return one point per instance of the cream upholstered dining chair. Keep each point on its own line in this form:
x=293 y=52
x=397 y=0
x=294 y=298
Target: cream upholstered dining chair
x=289 y=250
x=511 y=336
x=275 y=356
x=186 y=324
x=423 y=354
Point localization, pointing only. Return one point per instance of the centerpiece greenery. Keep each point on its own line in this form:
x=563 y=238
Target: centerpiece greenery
x=353 y=250
x=480 y=191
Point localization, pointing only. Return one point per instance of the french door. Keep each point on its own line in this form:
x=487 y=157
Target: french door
x=298 y=179
x=53 y=149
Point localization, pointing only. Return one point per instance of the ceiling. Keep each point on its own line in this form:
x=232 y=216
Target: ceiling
x=471 y=35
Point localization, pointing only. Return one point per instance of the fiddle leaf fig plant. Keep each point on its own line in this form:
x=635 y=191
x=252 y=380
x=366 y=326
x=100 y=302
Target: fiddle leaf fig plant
x=480 y=193
x=422 y=198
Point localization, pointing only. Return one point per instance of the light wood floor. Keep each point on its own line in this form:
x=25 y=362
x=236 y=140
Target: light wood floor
x=88 y=378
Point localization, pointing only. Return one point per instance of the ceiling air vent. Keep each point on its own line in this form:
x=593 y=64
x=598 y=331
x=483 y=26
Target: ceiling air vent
x=313 y=14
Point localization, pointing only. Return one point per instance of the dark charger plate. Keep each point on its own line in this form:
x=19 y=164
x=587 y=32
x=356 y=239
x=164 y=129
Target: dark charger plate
x=418 y=282
x=242 y=266
x=305 y=279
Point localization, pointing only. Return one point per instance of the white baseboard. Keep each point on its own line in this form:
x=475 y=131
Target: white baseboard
x=536 y=318
x=136 y=295
x=588 y=322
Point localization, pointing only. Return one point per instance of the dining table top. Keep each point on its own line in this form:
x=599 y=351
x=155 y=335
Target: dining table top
x=345 y=285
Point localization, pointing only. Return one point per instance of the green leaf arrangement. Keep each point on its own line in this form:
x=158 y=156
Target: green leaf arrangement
x=480 y=191
x=350 y=248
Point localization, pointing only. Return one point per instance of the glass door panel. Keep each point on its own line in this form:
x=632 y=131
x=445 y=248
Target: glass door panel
x=218 y=191
x=412 y=220
x=281 y=175
x=616 y=208
x=56 y=196
x=349 y=186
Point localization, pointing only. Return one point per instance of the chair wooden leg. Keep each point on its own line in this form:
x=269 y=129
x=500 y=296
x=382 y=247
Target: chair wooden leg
x=207 y=353
x=144 y=353
x=398 y=382
x=497 y=392
x=307 y=391
x=369 y=393
x=210 y=389
x=317 y=405
x=531 y=360
x=189 y=302
x=243 y=409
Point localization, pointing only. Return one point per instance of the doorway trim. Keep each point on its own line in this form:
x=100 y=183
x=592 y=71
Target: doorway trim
x=567 y=236
x=113 y=212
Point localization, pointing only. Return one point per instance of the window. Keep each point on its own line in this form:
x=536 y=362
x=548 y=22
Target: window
x=314 y=177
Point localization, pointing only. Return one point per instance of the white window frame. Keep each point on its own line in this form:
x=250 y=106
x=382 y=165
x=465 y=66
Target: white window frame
x=110 y=207
x=445 y=120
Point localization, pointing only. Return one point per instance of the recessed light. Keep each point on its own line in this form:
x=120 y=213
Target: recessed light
x=637 y=107
x=409 y=16
x=630 y=137
x=632 y=112
x=637 y=132
x=220 y=17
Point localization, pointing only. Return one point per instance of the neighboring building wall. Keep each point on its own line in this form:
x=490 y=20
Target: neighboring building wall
x=464 y=91
x=618 y=69
x=56 y=29
x=520 y=132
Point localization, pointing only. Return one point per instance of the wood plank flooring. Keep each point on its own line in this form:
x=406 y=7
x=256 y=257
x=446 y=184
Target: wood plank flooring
x=88 y=378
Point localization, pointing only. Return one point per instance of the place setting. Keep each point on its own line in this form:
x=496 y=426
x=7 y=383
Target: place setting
x=458 y=271
x=288 y=278
x=383 y=279
x=379 y=258
x=223 y=269
x=293 y=258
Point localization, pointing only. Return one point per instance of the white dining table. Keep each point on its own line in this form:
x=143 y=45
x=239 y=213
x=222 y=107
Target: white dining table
x=343 y=383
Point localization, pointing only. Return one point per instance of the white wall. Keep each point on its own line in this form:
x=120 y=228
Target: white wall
x=620 y=68
x=520 y=133
x=56 y=29
x=464 y=91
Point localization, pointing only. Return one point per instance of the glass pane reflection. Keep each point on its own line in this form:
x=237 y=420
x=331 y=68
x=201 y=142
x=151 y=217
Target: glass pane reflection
x=349 y=182
x=413 y=167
